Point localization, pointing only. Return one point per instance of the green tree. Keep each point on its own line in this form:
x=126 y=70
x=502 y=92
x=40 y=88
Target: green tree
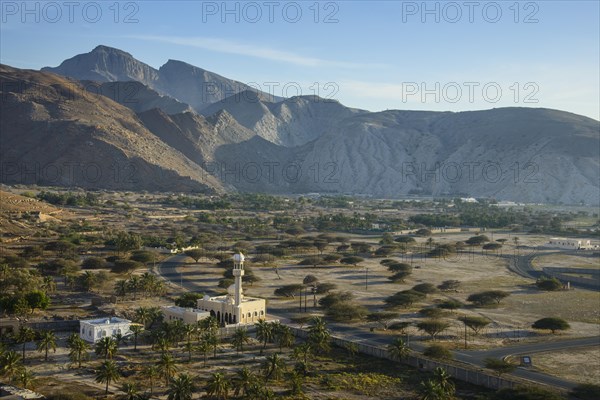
x=319 y=337
x=25 y=378
x=151 y=372
x=78 y=350
x=487 y=297
x=243 y=381
x=181 y=388
x=475 y=323
x=404 y=298
x=10 y=364
x=264 y=333
x=131 y=391
x=46 y=341
x=432 y=327
x=443 y=379
x=136 y=329
x=167 y=367
x=218 y=386
x=384 y=318
x=438 y=351
x=273 y=367
x=431 y=390
x=106 y=347
x=398 y=349
x=548 y=284
x=24 y=336
x=499 y=366
x=107 y=373
x=352 y=260
x=552 y=323
x=240 y=338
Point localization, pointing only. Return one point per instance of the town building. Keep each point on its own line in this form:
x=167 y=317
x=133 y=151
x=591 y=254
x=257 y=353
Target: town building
x=186 y=315
x=234 y=307
x=92 y=330
x=569 y=244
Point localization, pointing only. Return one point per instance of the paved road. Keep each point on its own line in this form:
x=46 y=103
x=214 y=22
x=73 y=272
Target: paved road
x=167 y=269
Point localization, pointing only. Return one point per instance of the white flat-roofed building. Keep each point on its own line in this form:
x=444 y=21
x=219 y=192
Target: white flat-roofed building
x=186 y=315
x=234 y=307
x=571 y=244
x=92 y=330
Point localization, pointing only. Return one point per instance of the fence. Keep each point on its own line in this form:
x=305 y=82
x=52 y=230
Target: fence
x=561 y=274
x=460 y=372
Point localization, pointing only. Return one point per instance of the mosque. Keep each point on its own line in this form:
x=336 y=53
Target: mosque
x=234 y=307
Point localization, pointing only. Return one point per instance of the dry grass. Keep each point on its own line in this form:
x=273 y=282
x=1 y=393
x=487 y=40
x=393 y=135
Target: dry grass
x=578 y=365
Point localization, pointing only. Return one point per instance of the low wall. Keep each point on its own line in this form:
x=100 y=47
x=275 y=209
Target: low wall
x=460 y=372
x=560 y=273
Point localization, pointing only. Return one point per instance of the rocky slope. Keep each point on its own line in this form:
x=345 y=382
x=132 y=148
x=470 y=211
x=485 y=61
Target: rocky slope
x=181 y=81
x=53 y=132
x=252 y=142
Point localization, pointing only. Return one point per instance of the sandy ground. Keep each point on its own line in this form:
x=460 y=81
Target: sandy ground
x=579 y=365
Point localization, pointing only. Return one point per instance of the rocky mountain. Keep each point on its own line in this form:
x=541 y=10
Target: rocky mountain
x=181 y=81
x=53 y=132
x=249 y=141
x=136 y=96
x=291 y=122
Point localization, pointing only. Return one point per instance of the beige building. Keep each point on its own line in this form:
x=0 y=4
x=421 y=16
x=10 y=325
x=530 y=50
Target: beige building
x=234 y=307
x=570 y=244
x=186 y=315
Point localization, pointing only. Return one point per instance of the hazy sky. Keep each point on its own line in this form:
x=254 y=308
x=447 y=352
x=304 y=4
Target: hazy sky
x=375 y=55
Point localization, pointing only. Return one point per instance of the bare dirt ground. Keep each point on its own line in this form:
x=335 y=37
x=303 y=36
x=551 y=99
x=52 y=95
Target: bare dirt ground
x=577 y=365
x=585 y=260
x=511 y=320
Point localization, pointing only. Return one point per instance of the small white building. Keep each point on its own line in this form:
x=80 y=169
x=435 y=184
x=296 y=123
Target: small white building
x=234 y=307
x=569 y=244
x=186 y=315
x=92 y=330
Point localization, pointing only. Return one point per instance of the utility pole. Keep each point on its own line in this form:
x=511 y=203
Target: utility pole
x=366 y=278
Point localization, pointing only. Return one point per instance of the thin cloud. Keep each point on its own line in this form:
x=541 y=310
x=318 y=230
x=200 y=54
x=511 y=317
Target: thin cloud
x=230 y=47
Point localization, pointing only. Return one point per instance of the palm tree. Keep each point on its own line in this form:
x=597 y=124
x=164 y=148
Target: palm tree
x=273 y=367
x=131 y=391
x=134 y=285
x=218 y=386
x=136 y=329
x=443 y=380
x=203 y=347
x=431 y=390
x=25 y=377
x=151 y=372
x=162 y=344
x=243 y=381
x=213 y=341
x=285 y=337
x=240 y=337
x=10 y=364
x=167 y=366
x=143 y=315
x=106 y=347
x=46 y=341
x=398 y=349
x=24 y=336
x=121 y=288
x=188 y=331
x=264 y=333
x=181 y=388
x=78 y=350
x=48 y=284
x=319 y=336
x=301 y=354
x=107 y=373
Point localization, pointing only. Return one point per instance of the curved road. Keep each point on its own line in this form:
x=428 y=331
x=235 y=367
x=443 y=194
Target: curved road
x=167 y=269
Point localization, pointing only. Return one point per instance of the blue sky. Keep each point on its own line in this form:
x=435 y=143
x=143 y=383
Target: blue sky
x=367 y=54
